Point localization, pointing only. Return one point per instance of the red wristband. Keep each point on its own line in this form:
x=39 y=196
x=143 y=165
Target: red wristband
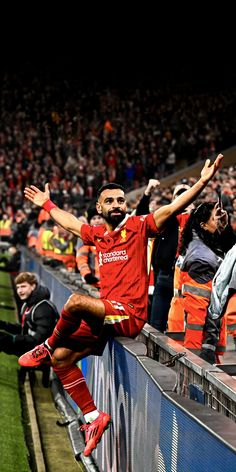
x=49 y=205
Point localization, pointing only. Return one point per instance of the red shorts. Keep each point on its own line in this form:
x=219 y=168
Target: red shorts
x=120 y=320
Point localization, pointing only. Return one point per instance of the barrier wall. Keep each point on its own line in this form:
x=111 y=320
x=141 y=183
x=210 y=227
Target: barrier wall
x=217 y=388
x=153 y=427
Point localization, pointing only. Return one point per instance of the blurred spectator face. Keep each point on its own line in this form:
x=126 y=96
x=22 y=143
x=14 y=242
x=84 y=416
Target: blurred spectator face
x=226 y=188
x=154 y=205
x=63 y=233
x=55 y=229
x=19 y=216
x=132 y=204
x=233 y=222
x=24 y=290
x=234 y=204
x=96 y=220
x=12 y=250
x=179 y=189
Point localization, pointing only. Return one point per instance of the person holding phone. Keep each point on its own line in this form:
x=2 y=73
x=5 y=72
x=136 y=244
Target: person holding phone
x=206 y=238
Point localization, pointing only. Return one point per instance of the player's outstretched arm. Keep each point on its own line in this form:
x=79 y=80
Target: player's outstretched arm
x=62 y=217
x=208 y=171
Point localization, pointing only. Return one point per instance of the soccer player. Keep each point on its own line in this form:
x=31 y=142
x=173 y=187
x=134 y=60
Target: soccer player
x=86 y=323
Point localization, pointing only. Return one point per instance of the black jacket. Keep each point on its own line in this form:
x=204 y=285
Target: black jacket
x=12 y=264
x=165 y=247
x=165 y=244
x=40 y=319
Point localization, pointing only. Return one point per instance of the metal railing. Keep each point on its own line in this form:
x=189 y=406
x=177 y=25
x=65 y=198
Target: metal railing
x=217 y=387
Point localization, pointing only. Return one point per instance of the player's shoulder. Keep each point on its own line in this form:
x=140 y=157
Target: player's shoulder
x=135 y=222
x=139 y=218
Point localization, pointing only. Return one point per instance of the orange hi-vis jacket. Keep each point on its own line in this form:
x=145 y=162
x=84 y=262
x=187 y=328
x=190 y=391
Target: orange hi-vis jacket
x=43 y=216
x=38 y=245
x=87 y=261
x=67 y=255
x=47 y=248
x=196 y=301
x=176 y=318
x=5 y=227
x=197 y=271
x=230 y=315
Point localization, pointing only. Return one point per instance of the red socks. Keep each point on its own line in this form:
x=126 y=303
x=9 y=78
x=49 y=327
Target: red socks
x=66 y=325
x=75 y=385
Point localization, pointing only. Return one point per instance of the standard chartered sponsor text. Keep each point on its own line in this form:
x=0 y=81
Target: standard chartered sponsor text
x=114 y=256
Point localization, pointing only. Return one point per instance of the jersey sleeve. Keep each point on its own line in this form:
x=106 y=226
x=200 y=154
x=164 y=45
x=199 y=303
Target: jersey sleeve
x=152 y=230
x=87 y=234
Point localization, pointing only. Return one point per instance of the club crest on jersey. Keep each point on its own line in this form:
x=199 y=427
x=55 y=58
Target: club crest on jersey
x=123 y=236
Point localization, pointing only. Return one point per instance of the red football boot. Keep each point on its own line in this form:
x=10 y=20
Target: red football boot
x=94 y=431
x=35 y=357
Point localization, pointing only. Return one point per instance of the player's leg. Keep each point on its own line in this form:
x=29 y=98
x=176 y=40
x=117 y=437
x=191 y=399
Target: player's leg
x=96 y=422
x=78 y=307
x=63 y=361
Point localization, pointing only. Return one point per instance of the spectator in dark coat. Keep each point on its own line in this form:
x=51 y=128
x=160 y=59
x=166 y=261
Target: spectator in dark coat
x=11 y=263
x=38 y=317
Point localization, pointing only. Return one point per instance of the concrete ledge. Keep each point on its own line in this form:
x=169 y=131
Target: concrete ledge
x=37 y=447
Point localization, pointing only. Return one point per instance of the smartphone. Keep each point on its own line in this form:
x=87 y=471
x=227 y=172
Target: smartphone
x=218 y=191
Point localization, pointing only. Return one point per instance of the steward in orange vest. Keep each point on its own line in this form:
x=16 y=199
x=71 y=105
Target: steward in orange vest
x=230 y=314
x=63 y=247
x=5 y=226
x=205 y=246
x=176 y=318
x=222 y=307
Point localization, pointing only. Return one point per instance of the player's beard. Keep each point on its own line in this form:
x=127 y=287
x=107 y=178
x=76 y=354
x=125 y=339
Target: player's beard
x=114 y=220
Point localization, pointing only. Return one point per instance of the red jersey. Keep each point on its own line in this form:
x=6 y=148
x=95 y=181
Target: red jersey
x=122 y=256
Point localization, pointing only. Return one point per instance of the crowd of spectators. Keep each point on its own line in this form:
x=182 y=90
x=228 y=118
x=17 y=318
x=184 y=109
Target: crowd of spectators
x=78 y=138
x=225 y=178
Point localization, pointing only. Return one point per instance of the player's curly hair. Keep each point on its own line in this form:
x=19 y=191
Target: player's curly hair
x=110 y=186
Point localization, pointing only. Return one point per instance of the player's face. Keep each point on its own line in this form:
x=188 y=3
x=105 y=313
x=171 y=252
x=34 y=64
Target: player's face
x=112 y=206
x=24 y=290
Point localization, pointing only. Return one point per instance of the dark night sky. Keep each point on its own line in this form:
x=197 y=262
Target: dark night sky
x=125 y=47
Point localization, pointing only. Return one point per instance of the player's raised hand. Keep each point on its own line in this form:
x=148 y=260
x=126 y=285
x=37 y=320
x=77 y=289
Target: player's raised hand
x=36 y=196
x=208 y=170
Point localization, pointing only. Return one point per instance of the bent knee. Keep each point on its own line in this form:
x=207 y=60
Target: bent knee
x=61 y=357
x=73 y=302
x=64 y=358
